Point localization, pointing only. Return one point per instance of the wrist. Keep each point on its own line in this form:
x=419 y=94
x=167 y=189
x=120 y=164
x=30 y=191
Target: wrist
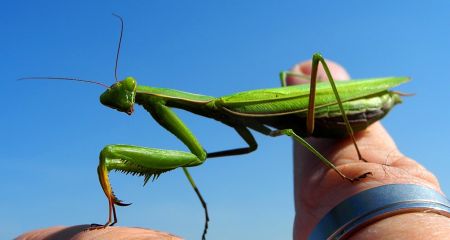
x=368 y=207
x=407 y=226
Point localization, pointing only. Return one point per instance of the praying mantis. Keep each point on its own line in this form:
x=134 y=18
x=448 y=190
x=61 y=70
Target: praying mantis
x=327 y=109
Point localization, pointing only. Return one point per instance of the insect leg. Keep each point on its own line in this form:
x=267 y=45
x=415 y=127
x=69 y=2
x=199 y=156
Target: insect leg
x=248 y=138
x=171 y=122
x=203 y=202
x=151 y=162
x=283 y=76
x=135 y=160
x=291 y=133
x=310 y=117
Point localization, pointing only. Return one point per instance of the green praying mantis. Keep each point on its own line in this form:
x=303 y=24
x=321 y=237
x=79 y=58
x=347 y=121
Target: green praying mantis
x=326 y=109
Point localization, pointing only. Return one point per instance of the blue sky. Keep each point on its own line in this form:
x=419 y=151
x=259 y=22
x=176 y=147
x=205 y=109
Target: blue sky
x=52 y=132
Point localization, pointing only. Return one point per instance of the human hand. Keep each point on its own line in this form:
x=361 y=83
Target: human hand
x=81 y=232
x=318 y=189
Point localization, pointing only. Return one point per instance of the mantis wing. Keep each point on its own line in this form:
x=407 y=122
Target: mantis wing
x=287 y=100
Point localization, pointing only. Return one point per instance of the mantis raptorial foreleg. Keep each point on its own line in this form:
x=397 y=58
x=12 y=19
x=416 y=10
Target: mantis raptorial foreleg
x=151 y=162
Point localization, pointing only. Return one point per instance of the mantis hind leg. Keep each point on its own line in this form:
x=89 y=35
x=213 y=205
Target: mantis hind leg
x=291 y=133
x=316 y=59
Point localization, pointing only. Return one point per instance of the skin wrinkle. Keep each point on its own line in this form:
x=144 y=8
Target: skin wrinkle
x=392 y=154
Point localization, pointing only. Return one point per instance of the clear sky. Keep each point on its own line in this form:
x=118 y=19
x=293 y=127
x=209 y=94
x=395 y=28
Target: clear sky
x=51 y=132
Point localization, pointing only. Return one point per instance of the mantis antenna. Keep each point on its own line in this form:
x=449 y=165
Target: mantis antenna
x=88 y=81
x=118 y=47
x=65 y=79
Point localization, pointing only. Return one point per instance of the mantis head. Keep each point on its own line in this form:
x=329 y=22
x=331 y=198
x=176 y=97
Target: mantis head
x=120 y=96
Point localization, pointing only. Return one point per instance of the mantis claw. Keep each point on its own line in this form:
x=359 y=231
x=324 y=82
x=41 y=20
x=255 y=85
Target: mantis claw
x=352 y=180
x=95 y=226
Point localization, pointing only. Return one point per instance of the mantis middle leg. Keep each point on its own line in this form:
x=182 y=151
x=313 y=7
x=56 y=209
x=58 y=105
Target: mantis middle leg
x=247 y=136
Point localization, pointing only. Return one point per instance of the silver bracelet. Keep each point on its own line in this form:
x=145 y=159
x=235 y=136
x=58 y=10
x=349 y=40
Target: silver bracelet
x=375 y=204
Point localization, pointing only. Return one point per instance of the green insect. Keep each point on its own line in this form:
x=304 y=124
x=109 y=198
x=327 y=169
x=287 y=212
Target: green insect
x=328 y=110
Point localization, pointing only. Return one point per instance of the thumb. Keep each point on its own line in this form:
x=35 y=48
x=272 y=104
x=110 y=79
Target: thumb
x=305 y=68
